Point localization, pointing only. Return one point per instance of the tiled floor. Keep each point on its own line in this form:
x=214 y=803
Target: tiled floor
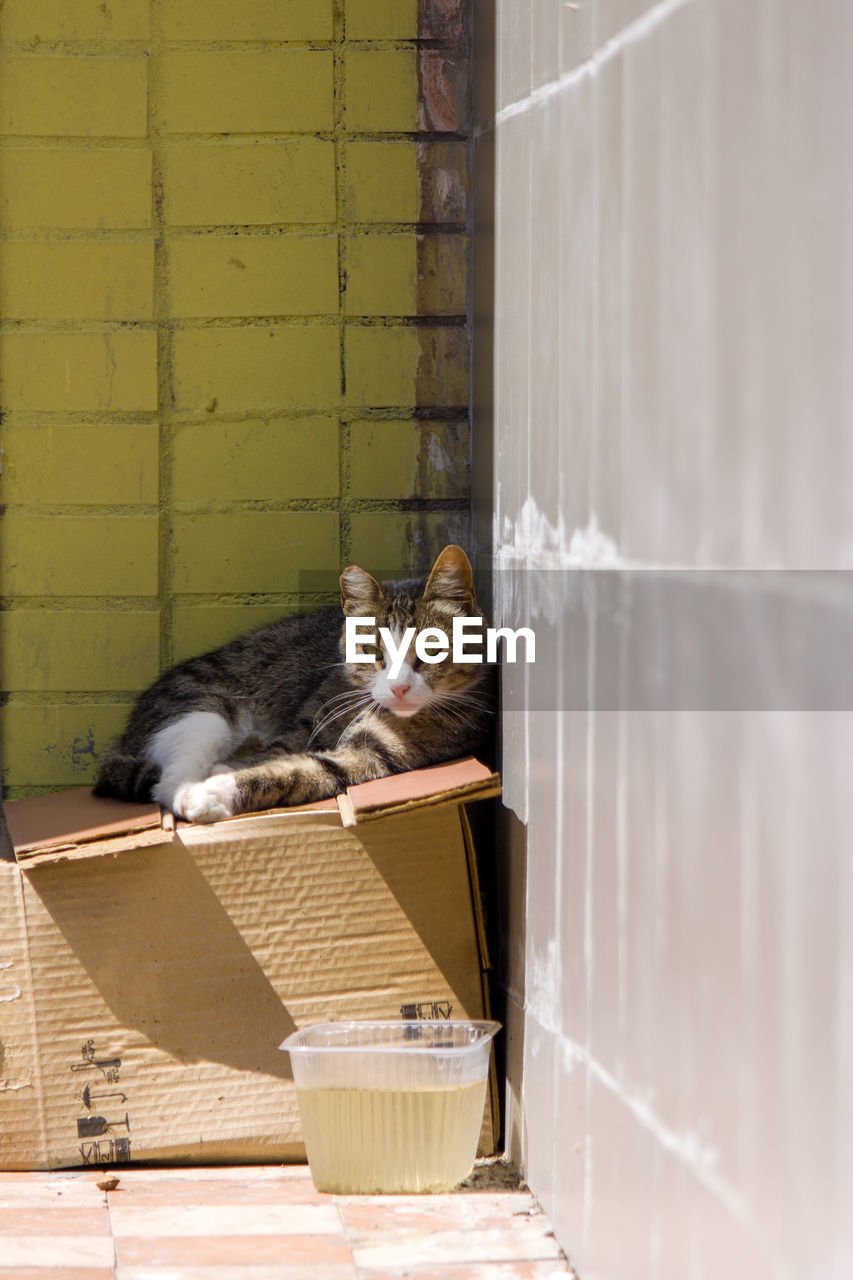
x=267 y=1223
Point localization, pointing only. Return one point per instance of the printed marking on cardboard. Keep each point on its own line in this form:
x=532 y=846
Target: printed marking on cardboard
x=427 y=1010
x=112 y=1150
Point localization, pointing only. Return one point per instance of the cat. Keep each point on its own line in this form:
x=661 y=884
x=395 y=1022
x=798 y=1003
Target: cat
x=278 y=718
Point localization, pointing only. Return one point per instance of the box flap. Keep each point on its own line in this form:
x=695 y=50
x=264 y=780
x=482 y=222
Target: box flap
x=296 y=810
x=71 y=822
x=454 y=782
x=70 y=818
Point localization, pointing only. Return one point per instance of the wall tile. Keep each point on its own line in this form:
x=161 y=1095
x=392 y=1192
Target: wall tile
x=684 y=835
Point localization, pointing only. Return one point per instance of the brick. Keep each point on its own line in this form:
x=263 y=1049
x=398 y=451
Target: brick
x=381 y=90
x=382 y=275
x=48 y=746
x=382 y=182
x=403 y=181
x=79 y=189
x=405 y=275
x=249 y=461
x=443 y=174
x=409 y=460
x=257 y=367
x=271 y=91
x=246 y=184
x=199 y=629
x=442 y=274
x=398 y=543
x=74 y=20
x=62 y=371
x=443 y=20
x=263 y=552
x=80 y=463
x=105 y=280
x=418 y=366
x=444 y=99
x=249 y=20
x=74 y=97
x=382 y=19
x=78 y=650
x=286 y=275
x=79 y=556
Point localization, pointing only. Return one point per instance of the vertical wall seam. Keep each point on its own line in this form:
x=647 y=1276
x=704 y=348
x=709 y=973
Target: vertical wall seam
x=165 y=344
x=341 y=214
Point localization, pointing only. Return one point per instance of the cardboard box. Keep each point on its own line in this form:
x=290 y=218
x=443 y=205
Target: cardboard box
x=149 y=972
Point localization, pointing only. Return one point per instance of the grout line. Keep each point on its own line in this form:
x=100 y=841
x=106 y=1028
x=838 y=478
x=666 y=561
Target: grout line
x=165 y=343
x=111 y=1232
x=342 y=232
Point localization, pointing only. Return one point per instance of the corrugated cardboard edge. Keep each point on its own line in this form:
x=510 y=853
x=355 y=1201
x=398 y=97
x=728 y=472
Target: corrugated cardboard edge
x=483 y=790
x=23 y=1024
x=97 y=848
x=495 y=1118
x=64 y=819
x=247 y=825
x=346 y=810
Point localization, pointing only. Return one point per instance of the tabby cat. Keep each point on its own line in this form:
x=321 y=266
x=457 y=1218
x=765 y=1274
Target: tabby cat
x=278 y=718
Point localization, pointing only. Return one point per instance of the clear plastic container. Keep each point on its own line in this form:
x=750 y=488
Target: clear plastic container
x=391 y=1106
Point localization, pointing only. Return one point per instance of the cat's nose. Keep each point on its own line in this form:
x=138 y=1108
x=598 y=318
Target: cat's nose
x=400 y=690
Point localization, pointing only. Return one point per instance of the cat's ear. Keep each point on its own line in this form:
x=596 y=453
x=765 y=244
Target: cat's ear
x=451 y=578
x=360 y=593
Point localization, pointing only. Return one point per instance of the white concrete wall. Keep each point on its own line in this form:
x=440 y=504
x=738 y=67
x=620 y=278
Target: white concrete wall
x=665 y=243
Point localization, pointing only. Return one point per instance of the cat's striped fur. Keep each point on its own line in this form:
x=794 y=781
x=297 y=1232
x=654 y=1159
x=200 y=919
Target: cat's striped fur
x=279 y=718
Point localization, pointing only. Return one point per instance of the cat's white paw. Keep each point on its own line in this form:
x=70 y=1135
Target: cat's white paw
x=207 y=801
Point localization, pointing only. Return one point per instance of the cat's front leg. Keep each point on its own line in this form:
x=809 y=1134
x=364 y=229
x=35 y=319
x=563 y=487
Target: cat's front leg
x=286 y=780
x=211 y=800
x=228 y=792
x=283 y=780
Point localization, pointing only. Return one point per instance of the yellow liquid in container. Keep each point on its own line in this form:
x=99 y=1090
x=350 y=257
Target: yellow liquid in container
x=387 y=1140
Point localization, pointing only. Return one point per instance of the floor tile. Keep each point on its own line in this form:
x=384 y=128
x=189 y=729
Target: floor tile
x=397 y=1213
x=57 y=1251
x=265 y=1223
x=27 y=1189
x=249 y=1270
x=231 y=1191
x=544 y=1269
x=23 y=1220
x=292 y=1250
x=56 y=1273
x=530 y=1240
x=147 y=1221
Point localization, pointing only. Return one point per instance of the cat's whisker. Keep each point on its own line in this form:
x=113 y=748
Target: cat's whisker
x=332 y=713
x=368 y=717
x=330 y=720
x=456 y=716
x=453 y=713
x=472 y=701
x=349 y=695
x=475 y=694
x=345 y=693
x=364 y=717
x=335 y=714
